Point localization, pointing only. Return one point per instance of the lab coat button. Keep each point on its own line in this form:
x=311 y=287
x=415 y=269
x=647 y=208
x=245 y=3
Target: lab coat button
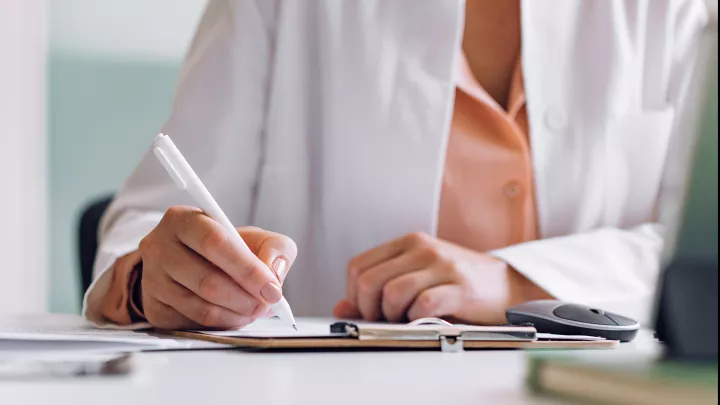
x=555 y=119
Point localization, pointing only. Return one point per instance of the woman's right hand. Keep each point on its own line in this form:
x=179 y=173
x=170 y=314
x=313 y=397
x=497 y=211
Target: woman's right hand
x=194 y=276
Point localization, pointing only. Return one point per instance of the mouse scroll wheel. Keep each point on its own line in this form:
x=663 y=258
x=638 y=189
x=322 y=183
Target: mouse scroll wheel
x=579 y=313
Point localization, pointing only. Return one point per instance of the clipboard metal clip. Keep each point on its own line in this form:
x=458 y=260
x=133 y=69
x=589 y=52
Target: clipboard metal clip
x=453 y=344
x=448 y=344
x=451 y=338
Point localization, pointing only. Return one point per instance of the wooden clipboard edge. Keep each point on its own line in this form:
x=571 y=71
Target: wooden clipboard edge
x=339 y=343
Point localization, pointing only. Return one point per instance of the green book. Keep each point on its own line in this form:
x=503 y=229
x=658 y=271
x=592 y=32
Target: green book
x=621 y=380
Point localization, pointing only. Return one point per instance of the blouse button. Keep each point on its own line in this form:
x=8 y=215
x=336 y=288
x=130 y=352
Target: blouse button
x=513 y=190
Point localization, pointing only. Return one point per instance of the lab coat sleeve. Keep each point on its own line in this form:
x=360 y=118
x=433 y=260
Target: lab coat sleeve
x=216 y=121
x=616 y=269
x=610 y=268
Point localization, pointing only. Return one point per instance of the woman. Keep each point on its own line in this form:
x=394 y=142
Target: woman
x=416 y=158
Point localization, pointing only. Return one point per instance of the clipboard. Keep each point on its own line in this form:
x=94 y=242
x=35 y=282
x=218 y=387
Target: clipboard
x=422 y=334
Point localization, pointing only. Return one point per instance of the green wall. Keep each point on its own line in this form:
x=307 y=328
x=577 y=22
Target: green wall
x=699 y=233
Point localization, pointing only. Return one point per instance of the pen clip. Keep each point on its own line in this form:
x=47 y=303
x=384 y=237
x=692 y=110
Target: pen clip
x=167 y=164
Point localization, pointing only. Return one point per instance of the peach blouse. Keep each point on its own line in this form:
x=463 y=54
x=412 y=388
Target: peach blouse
x=487 y=199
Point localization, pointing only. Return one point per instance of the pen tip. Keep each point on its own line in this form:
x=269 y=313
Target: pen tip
x=295 y=327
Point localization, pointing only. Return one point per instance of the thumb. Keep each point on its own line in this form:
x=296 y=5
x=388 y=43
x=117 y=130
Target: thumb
x=346 y=310
x=277 y=251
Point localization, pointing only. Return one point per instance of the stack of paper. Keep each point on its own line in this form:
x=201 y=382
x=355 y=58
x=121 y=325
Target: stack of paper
x=39 y=335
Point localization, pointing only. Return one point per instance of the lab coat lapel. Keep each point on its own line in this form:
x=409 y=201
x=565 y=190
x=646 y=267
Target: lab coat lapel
x=370 y=86
x=391 y=158
x=547 y=70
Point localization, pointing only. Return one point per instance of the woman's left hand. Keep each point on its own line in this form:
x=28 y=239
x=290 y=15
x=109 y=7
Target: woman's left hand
x=418 y=276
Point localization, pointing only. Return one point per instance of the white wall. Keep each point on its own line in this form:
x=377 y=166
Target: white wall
x=122 y=29
x=23 y=225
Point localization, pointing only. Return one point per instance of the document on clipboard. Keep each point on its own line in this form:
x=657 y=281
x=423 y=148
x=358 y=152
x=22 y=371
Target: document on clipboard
x=422 y=334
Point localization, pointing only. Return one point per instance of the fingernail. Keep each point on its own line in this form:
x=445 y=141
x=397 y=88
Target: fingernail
x=280 y=266
x=271 y=292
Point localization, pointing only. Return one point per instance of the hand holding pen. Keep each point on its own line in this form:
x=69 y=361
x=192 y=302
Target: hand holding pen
x=199 y=271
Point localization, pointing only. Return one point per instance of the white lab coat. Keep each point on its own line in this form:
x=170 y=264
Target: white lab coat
x=328 y=120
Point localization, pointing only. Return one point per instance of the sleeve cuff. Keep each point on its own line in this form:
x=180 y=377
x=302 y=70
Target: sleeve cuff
x=117 y=305
x=611 y=268
x=119 y=248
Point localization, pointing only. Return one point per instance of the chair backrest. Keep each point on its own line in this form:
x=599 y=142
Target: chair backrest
x=88 y=239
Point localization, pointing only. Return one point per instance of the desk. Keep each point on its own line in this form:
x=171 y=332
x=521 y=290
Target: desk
x=238 y=377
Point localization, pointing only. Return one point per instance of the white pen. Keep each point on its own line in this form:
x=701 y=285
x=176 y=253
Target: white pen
x=184 y=176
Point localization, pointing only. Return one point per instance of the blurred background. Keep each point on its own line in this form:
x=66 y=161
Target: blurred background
x=84 y=86
x=112 y=68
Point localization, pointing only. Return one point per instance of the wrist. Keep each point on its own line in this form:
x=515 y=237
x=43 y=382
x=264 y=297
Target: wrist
x=522 y=289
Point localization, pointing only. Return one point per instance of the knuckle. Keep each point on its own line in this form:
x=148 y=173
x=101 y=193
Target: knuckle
x=251 y=273
x=391 y=293
x=179 y=218
x=426 y=302
x=185 y=294
x=365 y=285
x=208 y=285
x=418 y=238
x=166 y=284
x=174 y=213
x=212 y=240
x=452 y=268
x=431 y=254
x=150 y=246
x=291 y=246
x=353 y=263
x=210 y=315
x=353 y=269
x=147 y=245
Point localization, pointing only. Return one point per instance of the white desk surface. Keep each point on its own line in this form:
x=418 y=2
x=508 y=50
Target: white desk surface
x=240 y=377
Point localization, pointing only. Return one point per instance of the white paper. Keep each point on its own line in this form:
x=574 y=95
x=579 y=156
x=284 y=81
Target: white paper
x=85 y=336
x=276 y=328
x=82 y=334
x=54 y=333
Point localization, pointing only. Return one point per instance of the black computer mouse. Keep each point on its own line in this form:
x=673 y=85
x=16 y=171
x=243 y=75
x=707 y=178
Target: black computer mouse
x=557 y=317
